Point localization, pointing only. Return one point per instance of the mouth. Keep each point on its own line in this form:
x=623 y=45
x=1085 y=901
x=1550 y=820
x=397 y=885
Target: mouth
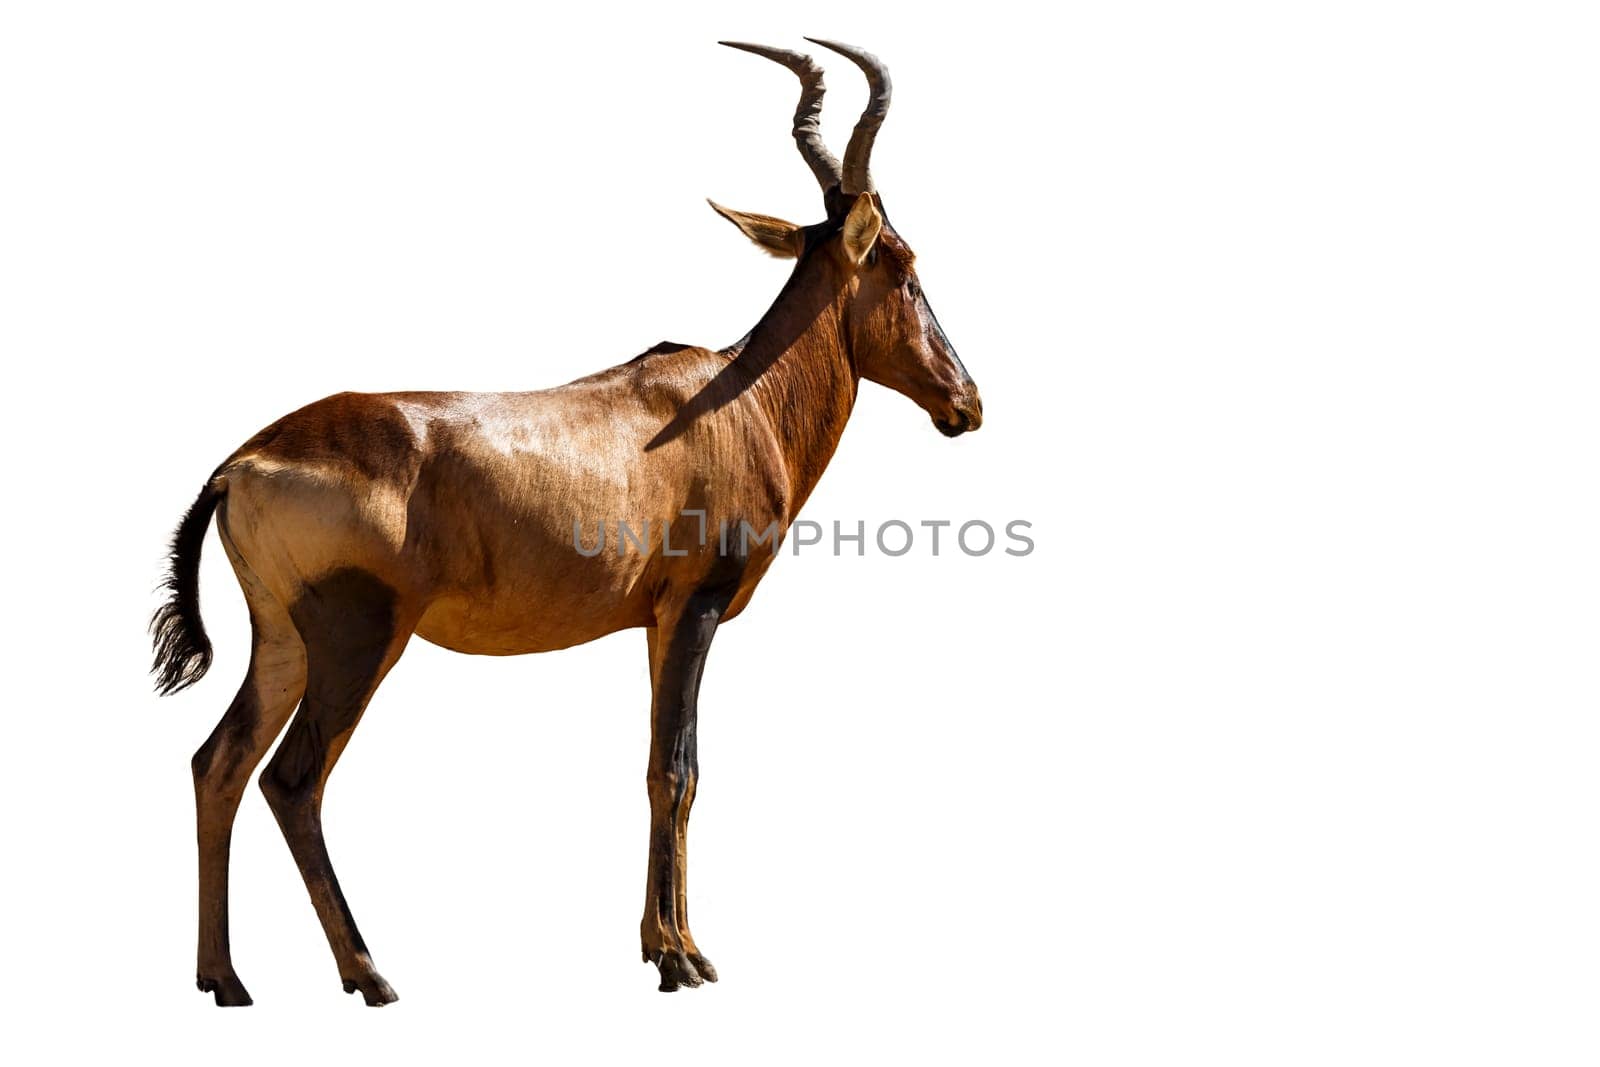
x=957 y=426
x=967 y=418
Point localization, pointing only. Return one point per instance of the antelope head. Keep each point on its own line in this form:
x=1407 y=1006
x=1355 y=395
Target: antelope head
x=893 y=336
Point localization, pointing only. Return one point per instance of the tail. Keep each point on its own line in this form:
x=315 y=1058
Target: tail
x=182 y=649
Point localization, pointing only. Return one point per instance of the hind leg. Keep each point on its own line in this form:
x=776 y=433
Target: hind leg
x=354 y=629
x=272 y=686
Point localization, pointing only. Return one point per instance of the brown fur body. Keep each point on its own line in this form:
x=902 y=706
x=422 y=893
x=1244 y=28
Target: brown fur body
x=362 y=519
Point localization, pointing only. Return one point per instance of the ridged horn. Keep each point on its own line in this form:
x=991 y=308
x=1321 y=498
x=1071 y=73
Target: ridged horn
x=808 y=113
x=856 y=176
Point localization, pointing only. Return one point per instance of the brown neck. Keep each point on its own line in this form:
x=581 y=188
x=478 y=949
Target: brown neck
x=802 y=374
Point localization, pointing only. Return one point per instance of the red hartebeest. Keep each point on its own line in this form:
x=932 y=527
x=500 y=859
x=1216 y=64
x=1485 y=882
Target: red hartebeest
x=364 y=518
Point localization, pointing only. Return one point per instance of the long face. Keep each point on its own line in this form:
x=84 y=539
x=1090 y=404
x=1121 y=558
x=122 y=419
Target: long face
x=894 y=337
x=898 y=341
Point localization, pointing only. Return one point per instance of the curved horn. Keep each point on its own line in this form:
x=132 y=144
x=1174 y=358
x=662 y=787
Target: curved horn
x=807 y=114
x=857 y=177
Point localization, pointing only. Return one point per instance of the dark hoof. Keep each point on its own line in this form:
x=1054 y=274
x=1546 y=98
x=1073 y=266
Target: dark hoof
x=679 y=969
x=373 y=988
x=229 y=991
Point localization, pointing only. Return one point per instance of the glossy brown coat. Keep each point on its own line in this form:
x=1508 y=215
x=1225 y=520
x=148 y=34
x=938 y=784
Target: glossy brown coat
x=470 y=519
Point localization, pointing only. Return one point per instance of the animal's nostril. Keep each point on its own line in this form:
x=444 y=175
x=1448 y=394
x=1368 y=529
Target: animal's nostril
x=973 y=418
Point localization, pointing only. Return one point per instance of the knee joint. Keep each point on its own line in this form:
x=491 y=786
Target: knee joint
x=200 y=764
x=286 y=785
x=673 y=781
x=219 y=768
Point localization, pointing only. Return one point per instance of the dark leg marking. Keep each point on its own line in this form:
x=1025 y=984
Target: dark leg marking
x=353 y=635
x=676 y=670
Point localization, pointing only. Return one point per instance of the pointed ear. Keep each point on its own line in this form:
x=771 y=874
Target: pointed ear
x=773 y=235
x=861 y=229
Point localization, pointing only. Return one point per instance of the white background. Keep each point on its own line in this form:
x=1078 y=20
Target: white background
x=1281 y=748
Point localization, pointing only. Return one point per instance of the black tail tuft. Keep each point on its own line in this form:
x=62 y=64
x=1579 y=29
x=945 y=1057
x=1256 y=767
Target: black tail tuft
x=182 y=649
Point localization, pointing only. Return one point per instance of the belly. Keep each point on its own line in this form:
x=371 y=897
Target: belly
x=478 y=637
x=537 y=607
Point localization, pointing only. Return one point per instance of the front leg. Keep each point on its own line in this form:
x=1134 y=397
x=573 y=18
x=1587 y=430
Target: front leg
x=678 y=645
